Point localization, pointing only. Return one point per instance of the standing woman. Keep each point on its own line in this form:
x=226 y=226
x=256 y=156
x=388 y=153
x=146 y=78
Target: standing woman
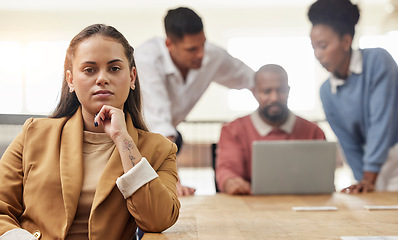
x=91 y=170
x=360 y=98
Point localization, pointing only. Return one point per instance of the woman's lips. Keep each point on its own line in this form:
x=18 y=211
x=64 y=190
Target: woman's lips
x=103 y=93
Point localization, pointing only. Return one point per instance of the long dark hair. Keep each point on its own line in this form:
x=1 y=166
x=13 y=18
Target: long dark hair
x=69 y=103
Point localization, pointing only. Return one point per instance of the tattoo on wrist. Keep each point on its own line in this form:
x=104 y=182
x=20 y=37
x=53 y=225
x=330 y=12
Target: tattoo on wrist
x=128 y=146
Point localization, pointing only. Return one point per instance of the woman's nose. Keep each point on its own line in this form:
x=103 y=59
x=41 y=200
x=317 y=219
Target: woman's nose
x=102 y=78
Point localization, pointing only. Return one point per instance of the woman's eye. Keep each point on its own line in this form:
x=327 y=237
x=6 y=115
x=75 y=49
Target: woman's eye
x=115 y=69
x=88 y=70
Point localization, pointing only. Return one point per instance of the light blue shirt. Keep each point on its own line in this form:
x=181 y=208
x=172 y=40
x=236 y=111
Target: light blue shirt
x=363 y=110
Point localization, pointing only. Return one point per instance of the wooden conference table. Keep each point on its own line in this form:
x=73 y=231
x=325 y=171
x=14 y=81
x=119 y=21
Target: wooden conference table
x=271 y=217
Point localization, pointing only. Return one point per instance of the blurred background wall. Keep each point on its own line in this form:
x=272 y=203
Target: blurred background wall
x=34 y=35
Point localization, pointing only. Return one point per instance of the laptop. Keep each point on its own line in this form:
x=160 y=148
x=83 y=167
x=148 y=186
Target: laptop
x=293 y=167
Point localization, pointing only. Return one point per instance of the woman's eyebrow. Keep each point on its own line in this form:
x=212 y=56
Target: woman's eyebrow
x=89 y=62
x=115 y=60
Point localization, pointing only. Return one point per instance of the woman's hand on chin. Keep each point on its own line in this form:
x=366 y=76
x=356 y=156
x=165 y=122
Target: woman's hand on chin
x=113 y=121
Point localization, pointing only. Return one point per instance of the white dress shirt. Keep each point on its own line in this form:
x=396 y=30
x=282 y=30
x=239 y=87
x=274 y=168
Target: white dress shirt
x=167 y=99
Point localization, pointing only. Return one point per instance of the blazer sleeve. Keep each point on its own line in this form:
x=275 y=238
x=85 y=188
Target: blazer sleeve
x=155 y=205
x=11 y=183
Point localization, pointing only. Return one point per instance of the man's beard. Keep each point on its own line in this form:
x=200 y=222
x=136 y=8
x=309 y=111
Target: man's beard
x=275 y=117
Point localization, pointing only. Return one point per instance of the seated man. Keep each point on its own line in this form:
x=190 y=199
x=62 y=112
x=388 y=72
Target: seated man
x=271 y=121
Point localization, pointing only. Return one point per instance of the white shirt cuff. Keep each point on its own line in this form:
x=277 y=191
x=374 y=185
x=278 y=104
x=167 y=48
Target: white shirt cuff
x=17 y=234
x=135 y=178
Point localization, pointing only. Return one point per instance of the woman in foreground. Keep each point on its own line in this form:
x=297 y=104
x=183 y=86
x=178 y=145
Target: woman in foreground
x=92 y=170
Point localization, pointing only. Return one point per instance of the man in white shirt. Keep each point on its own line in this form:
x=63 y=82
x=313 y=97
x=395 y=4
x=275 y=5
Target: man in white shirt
x=174 y=73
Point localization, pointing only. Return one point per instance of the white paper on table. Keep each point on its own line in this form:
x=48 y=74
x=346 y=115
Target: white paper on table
x=315 y=208
x=381 y=207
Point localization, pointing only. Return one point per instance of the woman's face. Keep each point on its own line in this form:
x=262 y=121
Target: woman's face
x=100 y=74
x=331 y=50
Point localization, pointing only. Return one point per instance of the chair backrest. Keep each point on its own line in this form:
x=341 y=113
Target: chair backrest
x=213 y=158
x=10 y=127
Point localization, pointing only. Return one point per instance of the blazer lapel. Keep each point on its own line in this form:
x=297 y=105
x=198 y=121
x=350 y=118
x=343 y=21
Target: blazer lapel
x=113 y=170
x=71 y=164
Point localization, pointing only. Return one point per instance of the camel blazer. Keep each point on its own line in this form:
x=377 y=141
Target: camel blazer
x=41 y=175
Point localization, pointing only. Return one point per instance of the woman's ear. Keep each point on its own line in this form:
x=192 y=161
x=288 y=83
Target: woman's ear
x=347 y=42
x=133 y=77
x=69 y=80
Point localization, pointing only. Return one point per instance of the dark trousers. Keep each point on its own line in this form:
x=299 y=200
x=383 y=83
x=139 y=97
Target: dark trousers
x=178 y=141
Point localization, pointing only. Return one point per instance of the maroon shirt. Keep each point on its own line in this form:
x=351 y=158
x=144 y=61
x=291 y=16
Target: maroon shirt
x=234 y=150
